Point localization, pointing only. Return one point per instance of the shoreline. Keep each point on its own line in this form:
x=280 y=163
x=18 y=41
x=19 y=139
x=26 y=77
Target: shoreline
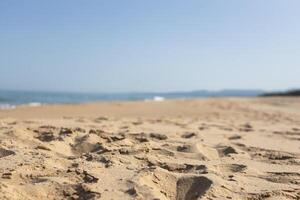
x=167 y=107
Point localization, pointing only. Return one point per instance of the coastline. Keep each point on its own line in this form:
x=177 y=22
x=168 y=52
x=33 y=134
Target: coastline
x=142 y=108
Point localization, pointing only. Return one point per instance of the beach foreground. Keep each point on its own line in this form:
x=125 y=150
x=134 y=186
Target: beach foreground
x=218 y=148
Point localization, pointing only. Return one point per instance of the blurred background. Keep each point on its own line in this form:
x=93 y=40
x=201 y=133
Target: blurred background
x=77 y=51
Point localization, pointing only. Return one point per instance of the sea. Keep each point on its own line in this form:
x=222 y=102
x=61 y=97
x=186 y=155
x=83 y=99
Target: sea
x=11 y=99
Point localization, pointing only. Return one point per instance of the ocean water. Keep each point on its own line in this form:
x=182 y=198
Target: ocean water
x=11 y=99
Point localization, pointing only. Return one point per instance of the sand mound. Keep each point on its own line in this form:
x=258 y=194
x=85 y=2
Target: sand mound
x=165 y=185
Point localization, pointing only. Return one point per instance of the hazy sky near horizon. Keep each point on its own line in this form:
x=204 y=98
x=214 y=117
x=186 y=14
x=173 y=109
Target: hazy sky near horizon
x=112 y=46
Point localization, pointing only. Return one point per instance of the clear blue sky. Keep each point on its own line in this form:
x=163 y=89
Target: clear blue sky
x=157 y=45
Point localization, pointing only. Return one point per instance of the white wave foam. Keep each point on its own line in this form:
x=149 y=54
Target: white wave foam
x=158 y=98
x=7 y=106
x=34 y=104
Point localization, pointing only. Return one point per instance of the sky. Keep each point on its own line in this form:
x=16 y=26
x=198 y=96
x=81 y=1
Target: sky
x=169 y=45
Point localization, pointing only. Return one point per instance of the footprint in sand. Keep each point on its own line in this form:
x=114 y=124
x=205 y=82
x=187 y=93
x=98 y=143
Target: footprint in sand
x=272 y=156
x=225 y=150
x=5 y=152
x=233 y=168
x=234 y=137
x=188 y=135
x=158 y=136
x=80 y=191
x=164 y=185
x=88 y=178
x=283 y=177
x=46 y=136
x=246 y=128
x=181 y=168
x=184 y=148
x=88 y=143
x=198 y=151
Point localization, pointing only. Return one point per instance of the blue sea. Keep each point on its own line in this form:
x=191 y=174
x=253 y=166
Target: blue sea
x=11 y=99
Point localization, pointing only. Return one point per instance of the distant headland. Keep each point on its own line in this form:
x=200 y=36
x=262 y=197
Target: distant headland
x=289 y=93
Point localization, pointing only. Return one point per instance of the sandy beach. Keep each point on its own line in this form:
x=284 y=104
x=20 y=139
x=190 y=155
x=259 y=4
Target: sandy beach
x=213 y=148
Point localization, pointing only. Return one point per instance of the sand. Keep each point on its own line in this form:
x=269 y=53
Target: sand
x=218 y=148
